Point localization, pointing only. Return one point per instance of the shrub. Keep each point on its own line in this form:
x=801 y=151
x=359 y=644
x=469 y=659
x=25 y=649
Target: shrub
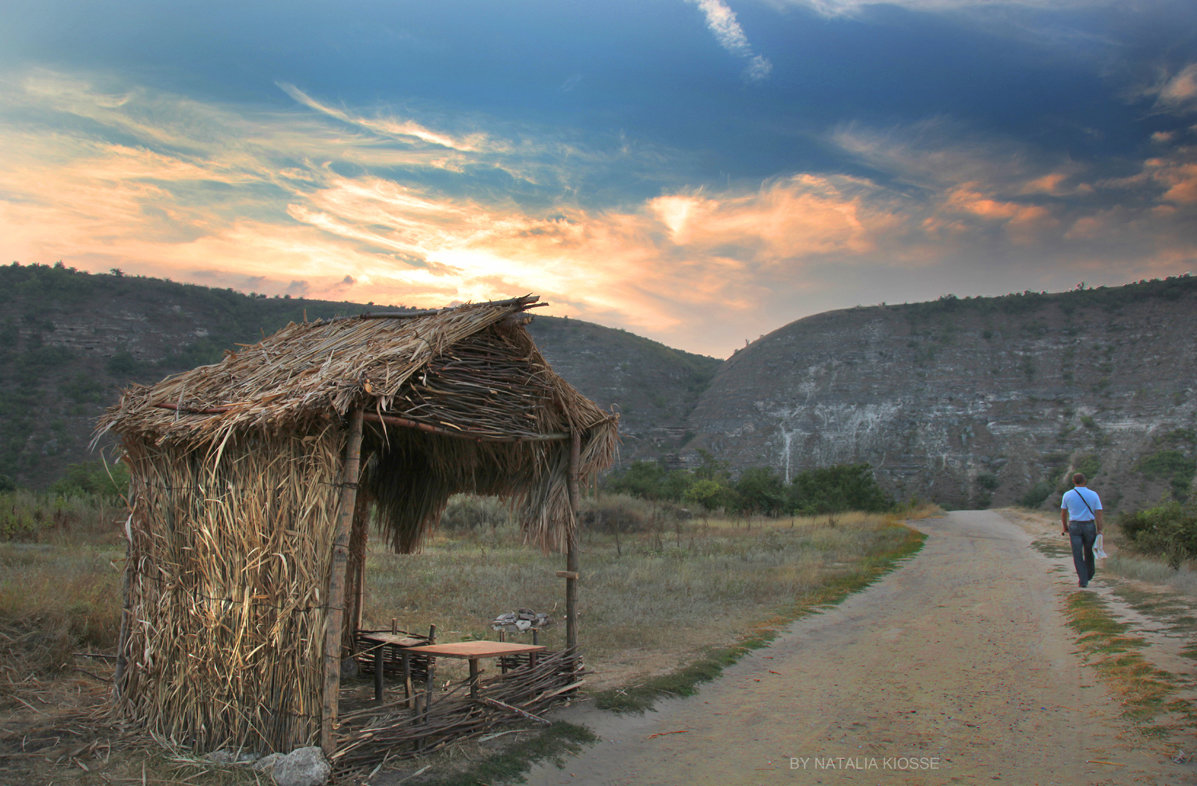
x=110 y=481
x=836 y=489
x=1089 y=464
x=1169 y=530
x=1175 y=466
x=644 y=479
x=615 y=514
x=1036 y=494
x=650 y=480
x=760 y=490
x=470 y=512
x=709 y=495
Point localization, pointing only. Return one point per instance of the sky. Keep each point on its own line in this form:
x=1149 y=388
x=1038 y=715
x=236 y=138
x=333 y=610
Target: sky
x=700 y=172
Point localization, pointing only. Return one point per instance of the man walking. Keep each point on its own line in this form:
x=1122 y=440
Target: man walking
x=1080 y=515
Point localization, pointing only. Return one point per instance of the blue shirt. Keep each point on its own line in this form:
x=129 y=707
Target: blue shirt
x=1075 y=500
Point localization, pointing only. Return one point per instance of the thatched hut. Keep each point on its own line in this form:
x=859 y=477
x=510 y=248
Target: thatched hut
x=252 y=483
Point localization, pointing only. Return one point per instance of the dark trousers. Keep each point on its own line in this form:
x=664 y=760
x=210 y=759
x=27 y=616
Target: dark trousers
x=1082 y=534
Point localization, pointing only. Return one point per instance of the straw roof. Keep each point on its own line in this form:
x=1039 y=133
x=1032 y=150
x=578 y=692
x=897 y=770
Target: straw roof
x=457 y=399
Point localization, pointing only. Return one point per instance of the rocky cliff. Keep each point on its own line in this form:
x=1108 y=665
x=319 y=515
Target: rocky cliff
x=977 y=401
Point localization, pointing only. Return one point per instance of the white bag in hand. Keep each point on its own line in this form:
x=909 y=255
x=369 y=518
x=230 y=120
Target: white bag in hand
x=1098 y=551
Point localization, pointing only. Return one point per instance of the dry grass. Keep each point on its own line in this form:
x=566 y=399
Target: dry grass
x=1148 y=694
x=658 y=600
x=655 y=600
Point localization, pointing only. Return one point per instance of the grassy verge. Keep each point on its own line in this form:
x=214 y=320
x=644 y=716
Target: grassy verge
x=1136 y=659
x=508 y=762
x=1147 y=693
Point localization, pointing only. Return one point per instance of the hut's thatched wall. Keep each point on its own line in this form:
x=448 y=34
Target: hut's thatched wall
x=237 y=491
x=228 y=568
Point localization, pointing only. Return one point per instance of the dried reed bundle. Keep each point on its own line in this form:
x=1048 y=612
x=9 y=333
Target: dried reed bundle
x=227 y=568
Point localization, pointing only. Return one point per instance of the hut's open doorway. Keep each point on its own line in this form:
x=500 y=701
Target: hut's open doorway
x=386 y=462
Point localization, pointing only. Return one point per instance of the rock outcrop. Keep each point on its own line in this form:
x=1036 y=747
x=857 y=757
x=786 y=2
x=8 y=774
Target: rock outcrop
x=977 y=401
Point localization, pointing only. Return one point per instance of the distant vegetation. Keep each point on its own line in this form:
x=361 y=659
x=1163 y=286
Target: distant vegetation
x=70 y=341
x=1106 y=298
x=757 y=491
x=1168 y=530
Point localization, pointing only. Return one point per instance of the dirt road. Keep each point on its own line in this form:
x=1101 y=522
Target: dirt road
x=955 y=668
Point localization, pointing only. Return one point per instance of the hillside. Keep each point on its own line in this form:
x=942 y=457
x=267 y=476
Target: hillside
x=70 y=342
x=970 y=402
x=976 y=401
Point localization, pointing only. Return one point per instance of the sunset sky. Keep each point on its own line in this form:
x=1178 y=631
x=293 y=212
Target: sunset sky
x=697 y=171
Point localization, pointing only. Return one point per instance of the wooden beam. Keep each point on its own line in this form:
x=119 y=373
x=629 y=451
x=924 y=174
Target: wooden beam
x=395 y=420
x=336 y=584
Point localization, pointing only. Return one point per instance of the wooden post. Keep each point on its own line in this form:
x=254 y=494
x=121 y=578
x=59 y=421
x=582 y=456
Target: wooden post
x=356 y=570
x=379 y=668
x=336 y=585
x=122 y=658
x=571 y=548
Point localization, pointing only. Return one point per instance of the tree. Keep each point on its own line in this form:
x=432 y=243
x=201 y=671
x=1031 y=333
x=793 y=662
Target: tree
x=709 y=494
x=760 y=490
x=839 y=488
x=643 y=479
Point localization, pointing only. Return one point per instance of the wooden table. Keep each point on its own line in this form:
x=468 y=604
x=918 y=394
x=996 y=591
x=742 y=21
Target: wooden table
x=401 y=642
x=473 y=651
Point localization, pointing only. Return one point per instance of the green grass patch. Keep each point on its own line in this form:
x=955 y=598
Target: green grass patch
x=1053 y=548
x=509 y=764
x=1145 y=691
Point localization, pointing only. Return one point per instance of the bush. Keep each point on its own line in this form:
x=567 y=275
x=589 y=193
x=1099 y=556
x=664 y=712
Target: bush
x=110 y=481
x=470 y=512
x=1169 y=530
x=650 y=480
x=836 y=489
x=760 y=490
x=1171 y=464
x=615 y=514
x=709 y=495
x=1036 y=494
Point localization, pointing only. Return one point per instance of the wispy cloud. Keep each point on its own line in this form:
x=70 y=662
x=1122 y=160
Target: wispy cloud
x=397 y=128
x=837 y=8
x=721 y=21
x=1178 y=92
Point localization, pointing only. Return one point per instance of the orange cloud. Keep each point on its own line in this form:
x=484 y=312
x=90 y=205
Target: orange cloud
x=265 y=202
x=800 y=216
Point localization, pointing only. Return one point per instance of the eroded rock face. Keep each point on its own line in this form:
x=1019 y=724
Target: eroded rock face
x=972 y=402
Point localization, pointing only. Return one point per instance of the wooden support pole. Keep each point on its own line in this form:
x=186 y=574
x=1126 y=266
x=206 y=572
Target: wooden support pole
x=571 y=549
x=336 y=585
x=356 y=570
